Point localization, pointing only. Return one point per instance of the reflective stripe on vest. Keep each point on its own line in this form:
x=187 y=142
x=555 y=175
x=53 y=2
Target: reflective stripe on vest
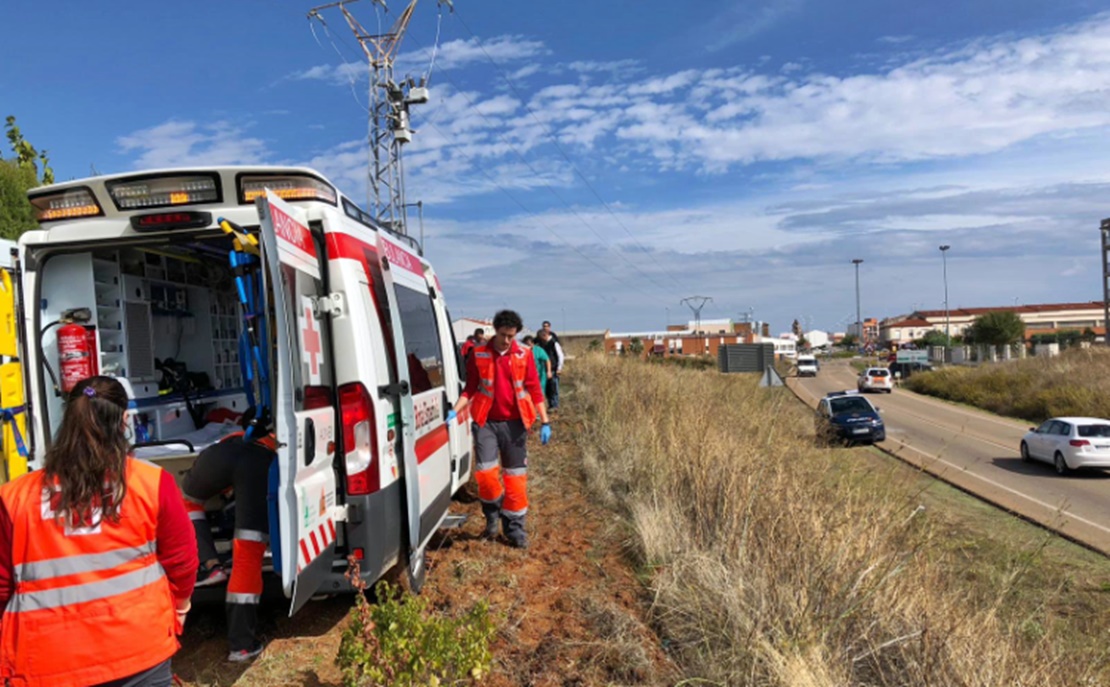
x=91 y=591
x=90 y=562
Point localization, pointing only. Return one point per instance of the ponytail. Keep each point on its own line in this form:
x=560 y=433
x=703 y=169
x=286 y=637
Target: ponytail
x=87 y=460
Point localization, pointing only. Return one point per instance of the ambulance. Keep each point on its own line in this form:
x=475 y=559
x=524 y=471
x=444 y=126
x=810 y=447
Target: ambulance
x=214 y=292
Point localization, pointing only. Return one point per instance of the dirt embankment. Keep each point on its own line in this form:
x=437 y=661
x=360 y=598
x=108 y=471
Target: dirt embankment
x=568 y=609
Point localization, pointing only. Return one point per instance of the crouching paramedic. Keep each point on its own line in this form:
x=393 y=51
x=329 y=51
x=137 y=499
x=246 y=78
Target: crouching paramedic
x=504 y=395
x=96 y=557
x=243 y=465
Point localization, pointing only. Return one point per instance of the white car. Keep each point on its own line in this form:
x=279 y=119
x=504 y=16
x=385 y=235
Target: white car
x=875 y=379
x=1069 y=443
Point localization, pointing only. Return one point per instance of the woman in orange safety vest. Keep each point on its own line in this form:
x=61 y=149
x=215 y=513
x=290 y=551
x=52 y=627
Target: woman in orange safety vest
x=97 y=557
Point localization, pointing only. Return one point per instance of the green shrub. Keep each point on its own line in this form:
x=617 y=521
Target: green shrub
x=1034 y=389
x=400 y=641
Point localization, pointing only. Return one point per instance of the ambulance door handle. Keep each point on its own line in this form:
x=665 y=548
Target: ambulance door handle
x=399 y=389
x=309 y=441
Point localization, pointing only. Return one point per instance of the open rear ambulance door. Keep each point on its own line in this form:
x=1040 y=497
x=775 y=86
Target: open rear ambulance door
x=13 y=407
x=419 y=392
x=303 y=399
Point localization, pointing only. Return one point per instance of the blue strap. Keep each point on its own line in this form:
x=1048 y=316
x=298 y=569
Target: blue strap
x=8 y=415
x=253 y=340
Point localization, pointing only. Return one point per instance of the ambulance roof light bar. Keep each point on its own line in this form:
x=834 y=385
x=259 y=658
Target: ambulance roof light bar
x=292 y=187
x=70 y=203
x=139 y=193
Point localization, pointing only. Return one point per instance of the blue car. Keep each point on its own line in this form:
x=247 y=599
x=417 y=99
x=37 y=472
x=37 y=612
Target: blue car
x=848 y=417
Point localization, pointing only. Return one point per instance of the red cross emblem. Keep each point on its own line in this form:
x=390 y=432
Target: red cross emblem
x=312 y=343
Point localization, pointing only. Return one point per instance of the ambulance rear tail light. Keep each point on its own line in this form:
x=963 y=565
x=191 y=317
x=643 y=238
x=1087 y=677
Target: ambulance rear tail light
x=71 y=203
x=287 y=187
x=317 y=397
x=360 y=439
x=161 y=192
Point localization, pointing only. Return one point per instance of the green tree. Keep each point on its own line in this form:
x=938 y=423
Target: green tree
x=849 y=340
x=998 y=328
x=933 y=337
x=17 y=175
x=635 y=346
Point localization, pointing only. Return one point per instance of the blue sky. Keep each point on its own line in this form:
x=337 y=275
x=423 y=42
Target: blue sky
x=593 y=163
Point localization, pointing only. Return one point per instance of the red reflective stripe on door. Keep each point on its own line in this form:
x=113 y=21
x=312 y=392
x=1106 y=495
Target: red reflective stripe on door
x=304 y=552
x=331 y=529
x=315 y=543
x=431 y=442
x=347 y=246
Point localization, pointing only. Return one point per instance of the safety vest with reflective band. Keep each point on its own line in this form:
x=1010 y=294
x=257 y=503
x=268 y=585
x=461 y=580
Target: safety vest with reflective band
x=91 y=604
x=519 y=360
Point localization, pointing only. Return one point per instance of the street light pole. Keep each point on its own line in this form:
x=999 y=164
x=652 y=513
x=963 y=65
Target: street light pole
x=859 y=322
x=1104 y=227
x=947 y=333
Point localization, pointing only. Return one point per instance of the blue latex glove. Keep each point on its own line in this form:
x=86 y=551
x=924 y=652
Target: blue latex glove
x=451 y=415
x=545 y=434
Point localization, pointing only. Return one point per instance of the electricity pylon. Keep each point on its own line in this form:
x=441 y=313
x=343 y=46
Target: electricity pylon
x=388 y=125
x=696 y=303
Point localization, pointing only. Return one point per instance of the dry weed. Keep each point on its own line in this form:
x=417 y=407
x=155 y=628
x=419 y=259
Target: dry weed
x=769 y=565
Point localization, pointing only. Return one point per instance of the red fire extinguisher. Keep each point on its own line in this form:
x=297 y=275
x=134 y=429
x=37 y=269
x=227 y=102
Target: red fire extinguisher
x=76 y=354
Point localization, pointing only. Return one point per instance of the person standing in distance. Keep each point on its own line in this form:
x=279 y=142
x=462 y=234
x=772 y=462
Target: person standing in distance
x=97 y=557
x=504 y=395
x=550 y=343
x=543 y=363
x=476 y=339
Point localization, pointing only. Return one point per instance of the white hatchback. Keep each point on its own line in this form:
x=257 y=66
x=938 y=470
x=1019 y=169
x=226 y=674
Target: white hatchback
x=1069 y=443
x=875 y=379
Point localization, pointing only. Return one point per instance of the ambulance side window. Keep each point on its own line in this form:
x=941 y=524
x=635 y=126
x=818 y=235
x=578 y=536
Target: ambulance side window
x=312 y=372
x=422 y=350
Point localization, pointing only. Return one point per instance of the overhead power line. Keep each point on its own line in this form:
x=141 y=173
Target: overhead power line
x=563 y=152
x=475 y=108
x=548 y=187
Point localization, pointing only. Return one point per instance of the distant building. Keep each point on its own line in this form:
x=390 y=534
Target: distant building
x=870 y=332
x=817 y=338
x=903 y=330
x=678 y=341
x=465 y=326
x=1046 y=318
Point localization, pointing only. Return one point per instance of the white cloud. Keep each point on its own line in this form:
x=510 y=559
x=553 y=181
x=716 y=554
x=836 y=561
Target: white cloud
x=745 y=20
x=463 y=52
x=336 y=74
x=974 y=99
x=185 y=143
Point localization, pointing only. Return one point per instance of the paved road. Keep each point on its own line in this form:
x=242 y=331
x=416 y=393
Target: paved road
x=978 y=452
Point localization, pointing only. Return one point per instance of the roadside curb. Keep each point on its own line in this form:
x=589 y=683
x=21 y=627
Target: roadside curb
x=948 y=475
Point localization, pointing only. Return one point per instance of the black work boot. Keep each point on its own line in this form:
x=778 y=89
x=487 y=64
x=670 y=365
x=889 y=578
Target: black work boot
x=492 y=511
x=514 y=531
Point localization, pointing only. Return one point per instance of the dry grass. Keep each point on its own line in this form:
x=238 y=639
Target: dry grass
x=772 y=564
x=1035 y=389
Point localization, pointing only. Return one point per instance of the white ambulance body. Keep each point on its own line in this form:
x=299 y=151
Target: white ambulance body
x=362 y=362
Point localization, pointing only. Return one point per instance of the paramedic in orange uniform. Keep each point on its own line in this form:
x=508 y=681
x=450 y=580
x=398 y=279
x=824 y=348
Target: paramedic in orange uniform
x=97 y=558
x=504 y=395
x=244 y=465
